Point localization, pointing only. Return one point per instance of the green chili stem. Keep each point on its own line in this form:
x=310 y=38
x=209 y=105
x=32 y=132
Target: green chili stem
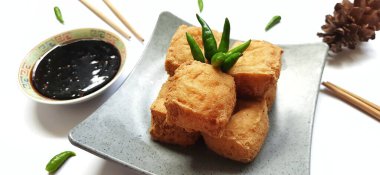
x=225 y=41
x=208 y=38
x=195 y=49
x=58 y=15
x=57 y=161
x=275 y=20
x=230 y=61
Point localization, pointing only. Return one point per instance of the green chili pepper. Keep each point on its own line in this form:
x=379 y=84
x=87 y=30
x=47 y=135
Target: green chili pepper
x=225 y=41
x=218 y=59
x=230 y=61
x=195 y=50
x=58 y=160
x=275 y=20
x=208 y=38
x=58 y=14
x=200 y=5
x=241 y=48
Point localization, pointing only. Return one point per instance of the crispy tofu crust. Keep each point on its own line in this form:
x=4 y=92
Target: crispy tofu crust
x=245 y=133
x=257 y=70
x=161 y=131
x=179 y=50
x=200 y=98
x=270 y=96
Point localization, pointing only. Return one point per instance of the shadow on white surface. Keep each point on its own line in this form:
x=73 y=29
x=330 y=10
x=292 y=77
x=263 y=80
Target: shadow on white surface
x=113 y=168
x=348 y=57
x=58 y=120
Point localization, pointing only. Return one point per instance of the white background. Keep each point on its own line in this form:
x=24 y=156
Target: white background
x=345 y=140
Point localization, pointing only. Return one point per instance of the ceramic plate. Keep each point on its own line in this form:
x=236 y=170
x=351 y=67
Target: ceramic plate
x=118 y=130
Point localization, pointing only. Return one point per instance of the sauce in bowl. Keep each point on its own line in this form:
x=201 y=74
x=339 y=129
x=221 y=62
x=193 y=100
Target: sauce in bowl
x=76 y=69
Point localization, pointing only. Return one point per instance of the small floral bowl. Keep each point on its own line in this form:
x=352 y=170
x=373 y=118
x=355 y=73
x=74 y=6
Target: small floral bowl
x=27 y=65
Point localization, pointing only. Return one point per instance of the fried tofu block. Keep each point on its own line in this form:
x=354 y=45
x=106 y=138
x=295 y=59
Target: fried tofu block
x=200 y=98
x=270 y=96
x=179 y=50
x=245 y=133
x=161 y=131
x=257 y=70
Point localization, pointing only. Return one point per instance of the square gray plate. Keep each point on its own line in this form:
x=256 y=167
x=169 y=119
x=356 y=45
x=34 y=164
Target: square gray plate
x=118 y=130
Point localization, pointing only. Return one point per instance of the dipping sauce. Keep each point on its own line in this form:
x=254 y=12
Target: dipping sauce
x=76 y=69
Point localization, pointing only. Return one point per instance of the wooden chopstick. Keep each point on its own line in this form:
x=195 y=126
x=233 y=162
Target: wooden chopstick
x=356 y=96
x=355 y=100
x=123 y=20
x=105 y=19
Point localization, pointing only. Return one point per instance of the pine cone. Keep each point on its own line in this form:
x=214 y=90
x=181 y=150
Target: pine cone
x=351 y=23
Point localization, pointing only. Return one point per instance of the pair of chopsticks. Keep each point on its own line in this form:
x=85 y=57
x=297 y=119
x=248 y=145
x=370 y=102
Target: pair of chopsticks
x=112 y=24
x=361 y=103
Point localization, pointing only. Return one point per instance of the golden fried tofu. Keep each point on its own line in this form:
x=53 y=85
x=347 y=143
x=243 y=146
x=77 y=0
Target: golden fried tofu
x=270 y=96
x=200 y=98
x=161 y=131
x=245 y=133
x=257 y=70
x=179 y=50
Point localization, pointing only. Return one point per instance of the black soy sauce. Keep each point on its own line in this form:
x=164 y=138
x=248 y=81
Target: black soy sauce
x=76 y=69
